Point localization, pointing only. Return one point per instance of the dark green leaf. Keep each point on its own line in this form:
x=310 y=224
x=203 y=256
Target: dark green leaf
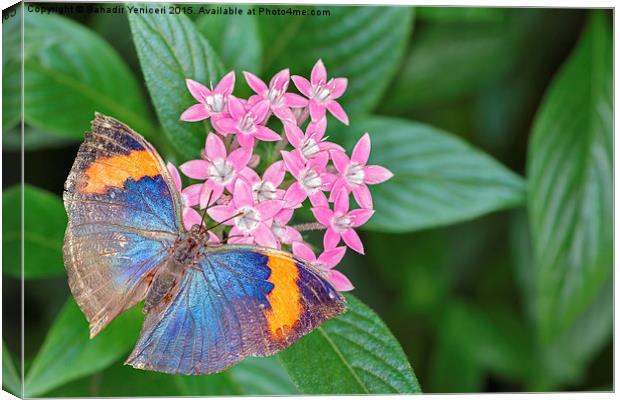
x=45 y=221
x=461 y=14
x=570 y=184
x=448 y=61
x=70 y=73
x=413 y=265
x=503 y=110
x=10 y=378
x=220 y=384
x=363 y=44
x=452 y=367
x=68 y=353
x=235 y=38
x=438 y=178
x=254 y=376
x=473 y=340
x=170 y=50
x=350 y=354
x=263 y=376
x=125 y=381
x=34 y=139
x=11 y=69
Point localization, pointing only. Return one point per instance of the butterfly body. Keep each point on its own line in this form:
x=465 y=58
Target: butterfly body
x=182 y=256
x=207 y=306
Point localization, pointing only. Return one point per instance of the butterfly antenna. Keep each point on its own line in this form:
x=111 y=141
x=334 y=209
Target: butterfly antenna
x=202 y=221
x=224 y=221
x=204 y=213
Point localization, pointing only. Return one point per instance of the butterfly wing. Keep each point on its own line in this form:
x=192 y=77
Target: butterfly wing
x=123 y=219
x=237 y=301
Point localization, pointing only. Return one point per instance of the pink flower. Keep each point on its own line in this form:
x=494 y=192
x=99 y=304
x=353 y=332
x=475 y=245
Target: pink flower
x=326 y=263
x=250 y=220
x=219 y=169
x=266 y=188
x=340 y=222
x=312 y=142
x=284 y=233
x=322 y=94
x=245 y=121
x=312 y=178
x=210 y=102
x=354 y=174
x=189 y=198
x=275 y=94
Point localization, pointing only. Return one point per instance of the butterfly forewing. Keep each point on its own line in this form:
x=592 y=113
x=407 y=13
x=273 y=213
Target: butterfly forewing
x=123 y=220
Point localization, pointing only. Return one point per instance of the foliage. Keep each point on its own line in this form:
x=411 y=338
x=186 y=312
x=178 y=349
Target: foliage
x=570 y=191
x=473 y=296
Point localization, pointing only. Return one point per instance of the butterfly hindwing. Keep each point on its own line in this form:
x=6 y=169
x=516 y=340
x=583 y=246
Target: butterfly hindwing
x=123 y=219
x=236 y=301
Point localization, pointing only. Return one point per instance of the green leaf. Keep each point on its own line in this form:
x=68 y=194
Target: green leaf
x=438 y=178
x=125 y=381
x=448 y=61
x=45 y=221
x=34 y=139
x=11 y=69
x=67 y=353
x=259 y=376
x=363 y=44
x=70 y=73
x=254 y=376
x=234 y=37
x=461 y=14
x=10 y=379
x=472 y=340
x=350 y=354
x=220 y=384
x=570 y=184
x=565 y=360
x=170 y=50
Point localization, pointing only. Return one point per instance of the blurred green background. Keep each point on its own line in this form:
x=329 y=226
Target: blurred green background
x=469 y=275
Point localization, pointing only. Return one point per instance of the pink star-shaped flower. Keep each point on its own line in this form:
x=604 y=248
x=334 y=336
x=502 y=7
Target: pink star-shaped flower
x=311 y=143
x=312 y=178
x=246 y=122
x=284 y=234
x=322 y=94
x=250 y=219
x=354 y=174
x=220 y=170
x=280 y=102
x=211 y=103
x=267 y=187
x=326 y=263
x=340 y=222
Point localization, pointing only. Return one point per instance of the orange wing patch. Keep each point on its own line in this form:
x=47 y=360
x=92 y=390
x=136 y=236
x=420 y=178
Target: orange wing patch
x=114 y=171
x=284 y=298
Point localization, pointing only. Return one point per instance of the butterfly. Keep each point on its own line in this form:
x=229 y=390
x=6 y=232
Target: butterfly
x=207 y=307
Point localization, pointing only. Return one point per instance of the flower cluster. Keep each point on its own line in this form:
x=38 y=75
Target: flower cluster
x=257 y=207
